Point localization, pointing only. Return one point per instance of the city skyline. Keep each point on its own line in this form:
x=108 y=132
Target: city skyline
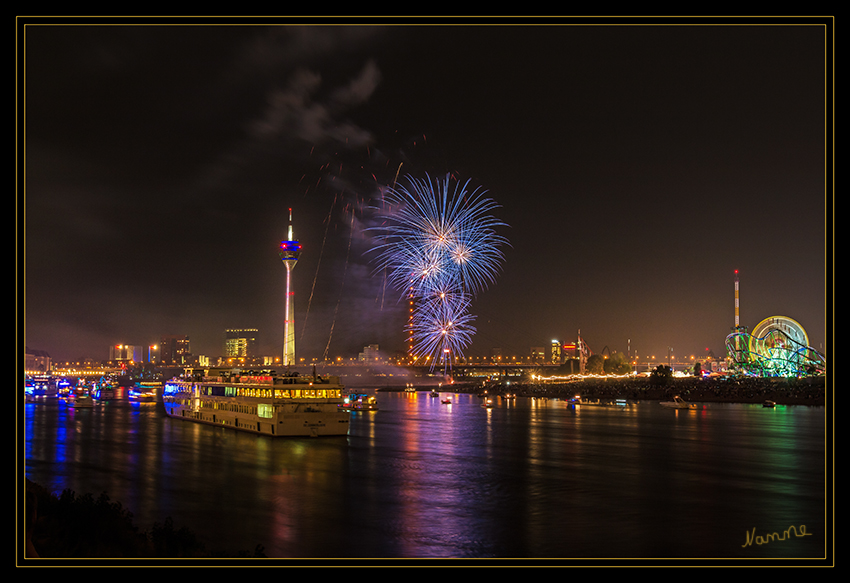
x=638 y=166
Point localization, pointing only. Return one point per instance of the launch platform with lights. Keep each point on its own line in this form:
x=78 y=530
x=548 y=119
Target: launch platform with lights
x=777 y=347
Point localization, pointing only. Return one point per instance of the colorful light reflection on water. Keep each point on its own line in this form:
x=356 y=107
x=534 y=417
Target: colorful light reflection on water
x=422 y=479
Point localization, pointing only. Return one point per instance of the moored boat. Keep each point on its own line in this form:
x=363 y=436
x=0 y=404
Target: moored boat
x=40 y=387
x=578 y=400
x=144 y=391
x=359 y=402
x=261 y=402
x=104 y=393
x=769 y=403
x=81 y=401
x=678 y=403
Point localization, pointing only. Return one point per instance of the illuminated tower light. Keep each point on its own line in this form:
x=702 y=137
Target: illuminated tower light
x=290 y=251
x=737 y=321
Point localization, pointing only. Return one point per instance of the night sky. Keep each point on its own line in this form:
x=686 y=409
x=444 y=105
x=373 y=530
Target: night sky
x=638 y=164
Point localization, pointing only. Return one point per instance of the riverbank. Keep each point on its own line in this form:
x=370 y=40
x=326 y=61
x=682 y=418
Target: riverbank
x=85 y=527
x=804 y=391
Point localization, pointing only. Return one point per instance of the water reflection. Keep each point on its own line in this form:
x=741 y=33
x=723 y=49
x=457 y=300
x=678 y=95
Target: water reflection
x=419 y=478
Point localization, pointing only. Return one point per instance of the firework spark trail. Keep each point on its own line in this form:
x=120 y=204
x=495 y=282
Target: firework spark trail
x=440 y=245
x=318 y=263
x=385 y=281
x=341 y=287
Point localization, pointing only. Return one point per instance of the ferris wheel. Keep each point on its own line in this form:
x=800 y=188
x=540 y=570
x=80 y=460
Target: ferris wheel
x=778 y=330
x=778 y=343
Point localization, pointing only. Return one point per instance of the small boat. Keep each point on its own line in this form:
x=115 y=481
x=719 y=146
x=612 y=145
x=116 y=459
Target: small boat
x=579 y=401
x=488 y=403
x=434 y=393
x=104 y=393
x=145 y=391
x=768 y=403
x=137 y=395
x=678 y=403
x=40 y=387
x=409 y=388
x=359 y=402
x=446 y=401
x=81 y=401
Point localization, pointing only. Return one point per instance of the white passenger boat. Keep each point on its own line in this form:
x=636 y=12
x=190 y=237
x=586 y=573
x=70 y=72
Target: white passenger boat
x=678 y=403
x=261 y=402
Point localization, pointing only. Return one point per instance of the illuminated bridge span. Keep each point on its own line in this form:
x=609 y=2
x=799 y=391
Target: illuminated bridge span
x=488 y=370
x=777 y=347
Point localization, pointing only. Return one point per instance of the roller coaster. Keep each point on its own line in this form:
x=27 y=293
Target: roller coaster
x=777 y=347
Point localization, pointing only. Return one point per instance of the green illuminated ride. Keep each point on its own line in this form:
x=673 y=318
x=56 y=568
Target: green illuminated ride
x=777 y=347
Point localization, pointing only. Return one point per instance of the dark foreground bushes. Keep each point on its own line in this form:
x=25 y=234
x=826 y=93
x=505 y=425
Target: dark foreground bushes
x=71 y=526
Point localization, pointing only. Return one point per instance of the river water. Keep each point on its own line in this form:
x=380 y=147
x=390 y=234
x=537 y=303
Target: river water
x=418 y=479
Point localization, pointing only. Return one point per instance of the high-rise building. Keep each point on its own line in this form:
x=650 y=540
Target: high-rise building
x=127 y=352
x=371 y=353
x=174 y=350
x=290 y=251
x=240 y=342
x=556 y=352
x=538 y=354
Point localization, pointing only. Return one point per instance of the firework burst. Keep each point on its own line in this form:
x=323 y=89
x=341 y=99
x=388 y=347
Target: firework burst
x=439 y=247
x=441 y=328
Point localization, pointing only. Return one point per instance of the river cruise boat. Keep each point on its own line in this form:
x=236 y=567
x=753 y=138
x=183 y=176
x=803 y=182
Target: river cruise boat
x=260 y=402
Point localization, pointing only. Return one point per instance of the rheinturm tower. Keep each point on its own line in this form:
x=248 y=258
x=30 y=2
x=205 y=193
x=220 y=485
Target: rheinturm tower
x=289 y=251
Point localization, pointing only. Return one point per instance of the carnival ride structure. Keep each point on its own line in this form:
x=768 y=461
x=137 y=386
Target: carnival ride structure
x=777 y=347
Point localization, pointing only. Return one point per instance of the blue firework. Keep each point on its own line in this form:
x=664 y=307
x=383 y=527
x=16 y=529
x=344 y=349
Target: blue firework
x=439 y=244
x=432 y=233
x=441 y=327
